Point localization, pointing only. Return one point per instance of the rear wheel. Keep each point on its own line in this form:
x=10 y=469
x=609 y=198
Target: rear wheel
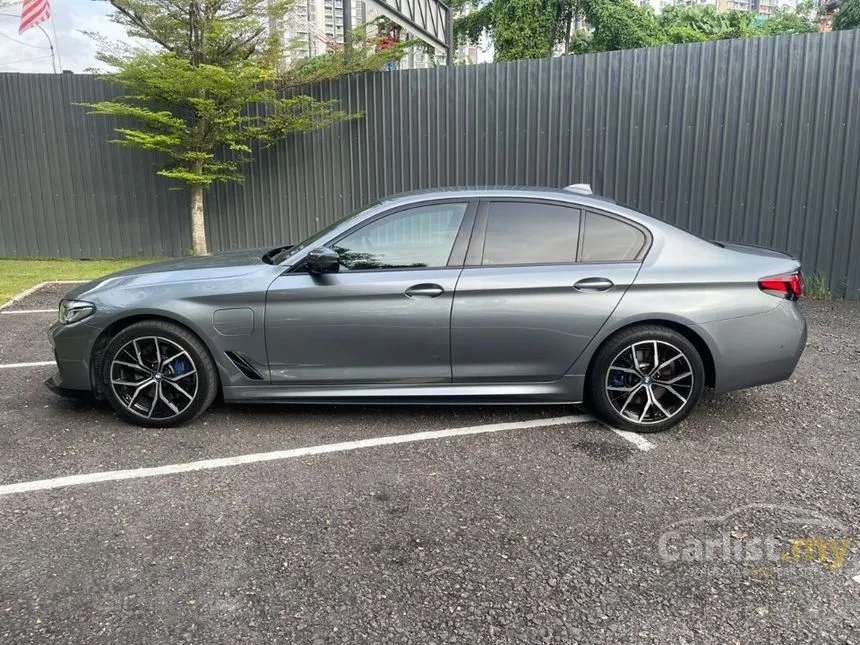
x=158 y=374
x=645 y=379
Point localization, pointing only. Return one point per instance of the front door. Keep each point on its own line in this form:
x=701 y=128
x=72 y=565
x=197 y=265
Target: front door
x=384 y=317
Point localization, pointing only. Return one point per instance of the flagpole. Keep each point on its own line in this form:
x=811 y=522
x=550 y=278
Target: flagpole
x=51 y=44
x=47 y=37
x=54 y=29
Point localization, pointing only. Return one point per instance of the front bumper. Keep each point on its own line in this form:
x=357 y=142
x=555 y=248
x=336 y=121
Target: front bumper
x=73 y=346
x=55 y=384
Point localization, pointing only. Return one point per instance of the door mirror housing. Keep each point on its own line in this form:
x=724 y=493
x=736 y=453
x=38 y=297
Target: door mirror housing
x=323 y=260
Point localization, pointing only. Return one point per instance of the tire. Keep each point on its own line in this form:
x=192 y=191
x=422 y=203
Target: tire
x=158 y=374
x=624 y=390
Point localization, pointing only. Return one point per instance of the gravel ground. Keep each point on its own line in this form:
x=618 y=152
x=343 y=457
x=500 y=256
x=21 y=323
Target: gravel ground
x=23 y=338
x=544 y=535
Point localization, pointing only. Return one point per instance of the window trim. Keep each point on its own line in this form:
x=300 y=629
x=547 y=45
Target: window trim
x=475 y=253
x=458 y=250
x=640 y=255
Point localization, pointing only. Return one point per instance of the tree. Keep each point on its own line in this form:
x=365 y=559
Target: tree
x=519 y=28
x=534 y=28
x=203 y=88
x=620 y=24
x=848 y=15
x=693 y=24
x=801 y=20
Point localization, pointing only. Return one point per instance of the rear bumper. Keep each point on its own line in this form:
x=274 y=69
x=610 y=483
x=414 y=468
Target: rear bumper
x=756 y=350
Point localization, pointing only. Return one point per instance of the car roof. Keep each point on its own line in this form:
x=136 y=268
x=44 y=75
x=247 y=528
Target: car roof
x=473 y=192
x=572 y=195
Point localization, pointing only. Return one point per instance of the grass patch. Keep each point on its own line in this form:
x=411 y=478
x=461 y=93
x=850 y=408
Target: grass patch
x=17 y=275
x=815 y=287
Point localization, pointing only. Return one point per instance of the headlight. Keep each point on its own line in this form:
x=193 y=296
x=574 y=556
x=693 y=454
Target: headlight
x=74 y=310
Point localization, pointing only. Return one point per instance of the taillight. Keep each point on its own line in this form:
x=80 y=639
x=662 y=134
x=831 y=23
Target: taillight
x=787 y=285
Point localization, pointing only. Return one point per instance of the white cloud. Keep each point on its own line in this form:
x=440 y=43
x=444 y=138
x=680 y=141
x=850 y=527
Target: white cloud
x=30 y=51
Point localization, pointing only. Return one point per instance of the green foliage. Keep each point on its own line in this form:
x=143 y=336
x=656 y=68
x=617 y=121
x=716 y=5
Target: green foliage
x=581 y=42
x=213 y=77
x=848 y=15
x=206 y=84
x=620 y=24
x=206 y=113
x=693 y=24
x=363 y=58
x=815 y=287
x=523 y=28
x=519 y=29
x=785 y=21
x=533 y=28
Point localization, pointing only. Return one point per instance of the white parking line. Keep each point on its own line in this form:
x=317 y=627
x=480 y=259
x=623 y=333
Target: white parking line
x=9 y=366
x=209 y=464
x=857 y=578
x=6 y=312
x=636 y=439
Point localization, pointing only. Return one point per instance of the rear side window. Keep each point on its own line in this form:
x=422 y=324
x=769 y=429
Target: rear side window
x=609 y=240
x=530 y=233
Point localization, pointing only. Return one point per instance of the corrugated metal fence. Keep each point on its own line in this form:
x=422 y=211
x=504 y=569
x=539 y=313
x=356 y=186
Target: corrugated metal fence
x=748 y=140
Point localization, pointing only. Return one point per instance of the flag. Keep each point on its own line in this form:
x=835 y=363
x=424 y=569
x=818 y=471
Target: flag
x=34 y=12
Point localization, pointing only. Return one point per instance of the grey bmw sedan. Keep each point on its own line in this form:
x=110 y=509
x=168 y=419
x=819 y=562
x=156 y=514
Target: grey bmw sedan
x=483 y=296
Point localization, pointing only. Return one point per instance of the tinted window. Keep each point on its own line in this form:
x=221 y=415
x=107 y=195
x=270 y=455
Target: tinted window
x=609 y=240
x=529 y=233
x=418 y=237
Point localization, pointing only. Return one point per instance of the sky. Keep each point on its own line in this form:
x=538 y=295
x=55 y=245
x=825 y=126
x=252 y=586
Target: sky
x=30 y=51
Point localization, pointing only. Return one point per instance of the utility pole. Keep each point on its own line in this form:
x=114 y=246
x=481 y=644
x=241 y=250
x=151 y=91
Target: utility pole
x=276 y=31
x=347 y=31
x=449 y=36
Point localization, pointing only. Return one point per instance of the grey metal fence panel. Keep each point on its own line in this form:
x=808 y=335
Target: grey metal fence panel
x=66 y=191
x=745 y=140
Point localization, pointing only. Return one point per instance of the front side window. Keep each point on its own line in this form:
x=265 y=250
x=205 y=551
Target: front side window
x=609 y=240
x=415 y=238
x=530 y=233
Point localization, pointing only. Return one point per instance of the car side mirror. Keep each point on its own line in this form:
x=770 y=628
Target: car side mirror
x=323 y=260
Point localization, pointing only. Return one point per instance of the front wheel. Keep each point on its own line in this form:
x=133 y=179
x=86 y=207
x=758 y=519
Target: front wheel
x=645 y=379
x=158 y=374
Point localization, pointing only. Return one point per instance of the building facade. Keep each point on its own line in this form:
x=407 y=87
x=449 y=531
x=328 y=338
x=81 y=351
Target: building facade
x=315 y=27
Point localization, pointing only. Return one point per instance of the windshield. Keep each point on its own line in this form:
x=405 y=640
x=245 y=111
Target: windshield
x=282 y=253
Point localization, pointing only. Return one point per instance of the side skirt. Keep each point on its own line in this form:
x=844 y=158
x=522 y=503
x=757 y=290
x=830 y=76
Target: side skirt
x=567 y=389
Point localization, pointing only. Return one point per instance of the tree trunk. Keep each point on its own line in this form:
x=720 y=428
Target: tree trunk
x=567 y=35
x=198 y=221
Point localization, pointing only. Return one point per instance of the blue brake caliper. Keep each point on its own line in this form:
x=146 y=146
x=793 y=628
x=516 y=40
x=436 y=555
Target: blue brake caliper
x=180 y=366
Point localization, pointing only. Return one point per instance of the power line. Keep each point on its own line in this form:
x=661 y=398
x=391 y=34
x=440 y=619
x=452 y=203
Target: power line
x=21 y=42
x=54 y=52
x=24 y=60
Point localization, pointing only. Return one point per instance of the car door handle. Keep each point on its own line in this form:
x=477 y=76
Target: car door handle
x=592 y=285
x=424 y=291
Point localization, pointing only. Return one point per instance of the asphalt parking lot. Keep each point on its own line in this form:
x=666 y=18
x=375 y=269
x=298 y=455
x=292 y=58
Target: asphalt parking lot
x=555 y=530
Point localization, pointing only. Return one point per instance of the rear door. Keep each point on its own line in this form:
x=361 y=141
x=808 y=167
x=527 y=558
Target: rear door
x=540 y=279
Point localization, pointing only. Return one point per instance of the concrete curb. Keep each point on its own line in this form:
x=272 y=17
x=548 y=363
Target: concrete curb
x=26 y=292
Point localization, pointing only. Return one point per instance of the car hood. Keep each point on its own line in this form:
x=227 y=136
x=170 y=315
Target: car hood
x=244 y=258
x=220 y=265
